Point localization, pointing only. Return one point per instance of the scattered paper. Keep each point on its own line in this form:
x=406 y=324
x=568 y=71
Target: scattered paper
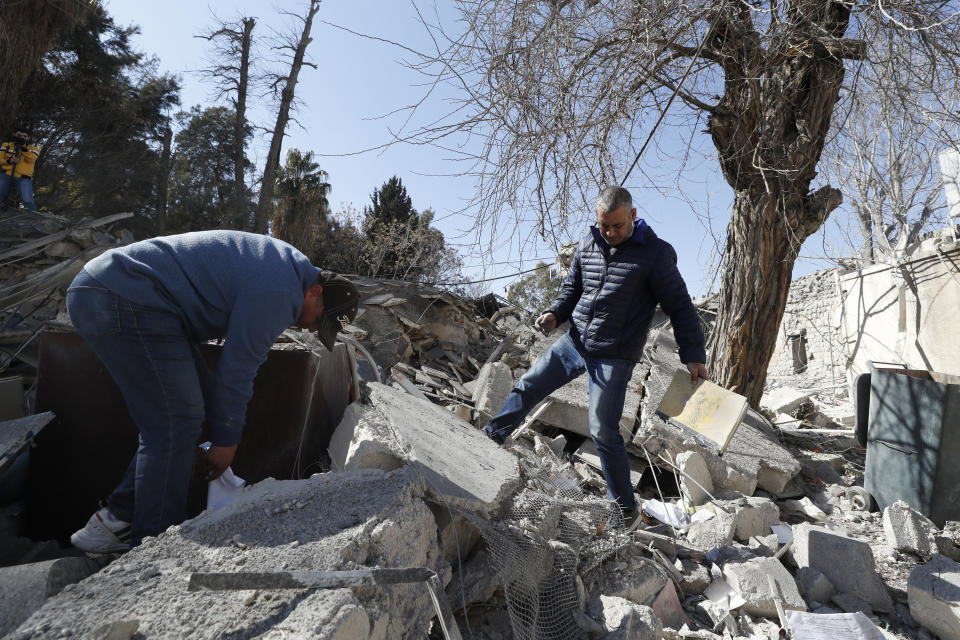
x=224 y=490
x=784 y=532
x=721 y=593
x=832 y=626
x=701 y=515
x=667 y=513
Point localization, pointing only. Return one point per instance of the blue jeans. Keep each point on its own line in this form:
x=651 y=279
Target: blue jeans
x=560 y=364
x=160 y=374
x=24 y=187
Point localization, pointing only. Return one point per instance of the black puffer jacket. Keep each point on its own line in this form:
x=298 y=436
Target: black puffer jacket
x=611 y=293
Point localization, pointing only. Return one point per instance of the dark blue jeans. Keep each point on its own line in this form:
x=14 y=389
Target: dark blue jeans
x=159 y=371
x=560 y=364
x=24 y=188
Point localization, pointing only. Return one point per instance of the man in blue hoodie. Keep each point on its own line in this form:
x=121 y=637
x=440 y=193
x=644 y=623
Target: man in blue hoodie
x=143 y=308
x=619 y=274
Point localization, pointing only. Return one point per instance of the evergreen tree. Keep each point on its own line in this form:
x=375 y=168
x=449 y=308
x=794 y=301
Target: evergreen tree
x=535 y=291
x=390 y=204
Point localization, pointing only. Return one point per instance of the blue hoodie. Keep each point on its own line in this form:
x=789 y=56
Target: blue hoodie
x=611 y=293
x=244 y=287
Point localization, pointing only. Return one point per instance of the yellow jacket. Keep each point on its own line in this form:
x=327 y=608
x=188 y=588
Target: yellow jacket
x=28 y=158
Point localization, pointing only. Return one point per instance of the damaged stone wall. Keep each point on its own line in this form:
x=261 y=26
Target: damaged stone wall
x=809 y=350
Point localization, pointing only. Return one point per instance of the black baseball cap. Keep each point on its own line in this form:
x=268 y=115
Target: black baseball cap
x=340 y=300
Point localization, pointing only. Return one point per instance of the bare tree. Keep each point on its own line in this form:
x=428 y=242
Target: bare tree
x=296 y=48
x=884 y=156
x=563 y=92
x=229 y=71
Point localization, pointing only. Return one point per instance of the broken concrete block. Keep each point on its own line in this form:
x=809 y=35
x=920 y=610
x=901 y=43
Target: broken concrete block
x=493 y=385
x=456 y=534
x=784 y=400
x=948 y=542
x=705 y=408
x=363 y=441
x=628 y=575
x=715 y=532
x=692 y=465
x=754 y=517
x=696 y=577
x=933 y=593
x=25 y=587
x=728 y=478
x=332 y=521
x=754 y=451
x=908 y=530
x=626 y=620
x=750 y=578
x=813 y=585
x=852 y=603
x=461 y=466
x=846 y=562
x=475 y=582
x=667 y=608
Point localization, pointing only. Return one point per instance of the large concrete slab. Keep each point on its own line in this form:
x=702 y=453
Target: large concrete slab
x=754 y=450
x=25 y=587
x=751 y=578
x=847 y=563
x=933 y=592
x=460 y=465
x=706 y=408
x=16 y=434
x=332 y=521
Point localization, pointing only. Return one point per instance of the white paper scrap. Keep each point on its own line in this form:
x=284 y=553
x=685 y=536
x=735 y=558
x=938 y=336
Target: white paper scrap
x=224 y=489
x=832 y=626
x=667 y=513
x=702 y=515
x=721 y=593
x=783 y=531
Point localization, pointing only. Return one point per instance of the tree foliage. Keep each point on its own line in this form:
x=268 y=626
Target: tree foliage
x=564 y=93
x=202 y=187
x=302 y=205
x=98 y=108
x=535 y=291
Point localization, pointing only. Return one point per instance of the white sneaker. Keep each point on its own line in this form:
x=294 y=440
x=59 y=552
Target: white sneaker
x=102 y=534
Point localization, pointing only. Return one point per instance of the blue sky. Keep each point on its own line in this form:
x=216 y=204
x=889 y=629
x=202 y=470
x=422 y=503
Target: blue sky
x=359 y=80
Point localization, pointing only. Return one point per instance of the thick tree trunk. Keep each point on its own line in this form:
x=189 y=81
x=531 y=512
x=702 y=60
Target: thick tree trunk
x=769 y=129
x=265 y=203
x=241 y=212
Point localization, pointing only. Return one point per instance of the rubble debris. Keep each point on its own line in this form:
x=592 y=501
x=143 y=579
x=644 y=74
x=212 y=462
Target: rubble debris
x=715 y=532
x=814 y=586
x=491 y=388
x=852 y=603
x=629 y=575
x=749 y=578
x=695 y=577
x=626 y=620
x=908 y=530
x=846 y=562
x=705 y=408
x=431 y=440
x=948 y=542
x=695 y=480
x=332 y=521
x=667 y=608
x=933 y=593
x=15 y=435
x=784 y=400
x=25 y=587
x=754 y=516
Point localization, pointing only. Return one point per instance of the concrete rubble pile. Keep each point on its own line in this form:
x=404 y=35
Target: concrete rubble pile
x=521 y=536
x=40 y=253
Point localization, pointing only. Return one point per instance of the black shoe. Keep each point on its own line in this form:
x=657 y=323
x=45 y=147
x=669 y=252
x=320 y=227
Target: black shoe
x=497 y=436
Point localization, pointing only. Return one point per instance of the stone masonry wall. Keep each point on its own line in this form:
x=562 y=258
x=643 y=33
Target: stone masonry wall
x=809 y=352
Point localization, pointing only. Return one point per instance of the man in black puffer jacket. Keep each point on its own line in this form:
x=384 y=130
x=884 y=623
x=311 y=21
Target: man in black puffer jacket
x=619 y=274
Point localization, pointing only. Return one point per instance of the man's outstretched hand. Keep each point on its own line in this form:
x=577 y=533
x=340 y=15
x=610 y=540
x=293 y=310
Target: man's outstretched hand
x=218 y=459
x=698 y=372
x=547 y=322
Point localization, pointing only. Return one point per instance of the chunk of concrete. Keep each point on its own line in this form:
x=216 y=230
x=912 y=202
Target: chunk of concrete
x=754 y=451
x=695 y=480
x=813 y=585
x=754 y=517
x=626 y=620
x=908 y=530
x=461 y=466
x=933 y=593
x=491 y=388
x=715 y=532
x=706 y=408
x=332 y=521
x=25 y=587
x=852 y=603
x=667 y=608
x=696 y=577
x=627 y=575
x=726 y=477
x=784 y=400
x=846 y=562
x=750 y=578
x=363 y=441
x=456 y=534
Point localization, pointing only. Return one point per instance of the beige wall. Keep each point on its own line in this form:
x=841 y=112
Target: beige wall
x=906 y=314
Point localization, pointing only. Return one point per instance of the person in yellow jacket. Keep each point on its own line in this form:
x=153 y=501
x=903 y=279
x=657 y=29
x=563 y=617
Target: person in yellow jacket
x=17 y=160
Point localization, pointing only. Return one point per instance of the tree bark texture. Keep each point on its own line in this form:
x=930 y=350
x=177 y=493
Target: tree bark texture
x=769 y=129
x=265 y=203
x=241 y=220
